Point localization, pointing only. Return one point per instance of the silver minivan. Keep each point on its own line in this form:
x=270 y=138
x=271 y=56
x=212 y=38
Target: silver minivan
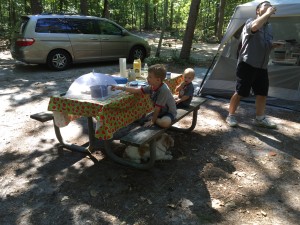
x=60 y=40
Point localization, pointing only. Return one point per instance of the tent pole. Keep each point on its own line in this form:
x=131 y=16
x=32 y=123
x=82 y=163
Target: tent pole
x=204 y=78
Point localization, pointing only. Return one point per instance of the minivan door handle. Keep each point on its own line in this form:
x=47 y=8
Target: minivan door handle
x=104 y=39
x=94 y=39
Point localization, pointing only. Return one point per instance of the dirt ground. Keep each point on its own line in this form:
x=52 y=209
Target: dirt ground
x=219 y=175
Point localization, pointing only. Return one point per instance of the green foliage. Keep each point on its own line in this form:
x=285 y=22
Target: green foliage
x=175 y=60
x=158 y=60
x=128 y=13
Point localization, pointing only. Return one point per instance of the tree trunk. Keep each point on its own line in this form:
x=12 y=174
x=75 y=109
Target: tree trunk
x=163 y=29
x=155 y=21
x=83 y=7
x=171 y=14
x=105 y=9
x=36 y=7
x=26 y=7
x=147 y=5
x=216 y=19
x=12 y=13
x=221 y=19
x=131 y=13
x=61 y=6
x=190 y=28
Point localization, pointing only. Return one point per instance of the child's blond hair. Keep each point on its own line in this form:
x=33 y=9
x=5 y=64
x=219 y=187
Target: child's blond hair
x=189 y=71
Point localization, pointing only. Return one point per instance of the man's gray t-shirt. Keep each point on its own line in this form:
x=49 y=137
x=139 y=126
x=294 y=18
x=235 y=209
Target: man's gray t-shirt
x=256 y=47
x=163 y=98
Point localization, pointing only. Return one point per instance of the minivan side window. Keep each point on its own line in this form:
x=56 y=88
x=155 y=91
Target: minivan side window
x=51 y=25
x=108 y=28
x=82 y=26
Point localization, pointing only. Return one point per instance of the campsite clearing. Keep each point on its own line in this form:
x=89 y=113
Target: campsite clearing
x=219 y=175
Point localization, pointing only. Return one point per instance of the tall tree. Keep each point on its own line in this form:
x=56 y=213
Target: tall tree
x=146 y=19
x=216 y=18
x=190 y=28
x=155 y=12
x=61 y=5
x=105 y=9
x=26 y=7
x=171 y=14
x=12 y=13
x=221 y=19
x=163 y=28
x=83 y=7
x=36 y=6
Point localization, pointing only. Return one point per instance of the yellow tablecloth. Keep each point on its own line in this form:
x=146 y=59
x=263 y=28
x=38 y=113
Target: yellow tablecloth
x=112 y=114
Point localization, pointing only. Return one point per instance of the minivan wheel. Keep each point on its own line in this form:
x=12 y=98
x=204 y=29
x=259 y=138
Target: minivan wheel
x=59 y=60
x=137 y=52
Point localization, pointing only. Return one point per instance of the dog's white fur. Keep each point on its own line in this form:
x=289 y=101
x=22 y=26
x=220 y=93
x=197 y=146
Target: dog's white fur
x=163 y=143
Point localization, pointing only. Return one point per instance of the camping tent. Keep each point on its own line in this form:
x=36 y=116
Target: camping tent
x=284 y=74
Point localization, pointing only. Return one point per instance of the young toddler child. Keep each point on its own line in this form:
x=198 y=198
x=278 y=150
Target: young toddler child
x=185 y=89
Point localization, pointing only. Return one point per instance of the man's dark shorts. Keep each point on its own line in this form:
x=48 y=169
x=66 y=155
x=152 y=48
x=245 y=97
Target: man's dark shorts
x=250 y=77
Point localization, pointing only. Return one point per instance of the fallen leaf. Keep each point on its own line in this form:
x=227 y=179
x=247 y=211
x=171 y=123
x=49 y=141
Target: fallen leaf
x=216 y=203
x=64 y=198
x=93 y=193
x=224 y=157
x=240 y=174
x=172 y=206
x=182 y=158
x=185 y=203
x=230 y=204
x=263 y=213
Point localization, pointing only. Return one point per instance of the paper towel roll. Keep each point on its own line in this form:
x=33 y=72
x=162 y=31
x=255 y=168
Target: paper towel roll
x=122 y=62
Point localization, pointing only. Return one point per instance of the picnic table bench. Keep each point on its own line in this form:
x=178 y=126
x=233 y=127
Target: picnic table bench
x=143 y=135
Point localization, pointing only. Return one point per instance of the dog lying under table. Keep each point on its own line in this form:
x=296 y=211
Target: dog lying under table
x=142 y=153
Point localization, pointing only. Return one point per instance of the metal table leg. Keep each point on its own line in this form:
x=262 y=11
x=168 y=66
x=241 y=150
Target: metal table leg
x=193 y=125
x=74 y=147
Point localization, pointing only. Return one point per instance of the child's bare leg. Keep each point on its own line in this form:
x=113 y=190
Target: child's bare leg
x=164 y=122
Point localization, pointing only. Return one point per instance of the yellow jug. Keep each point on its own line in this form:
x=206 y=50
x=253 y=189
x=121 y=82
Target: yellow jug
x=137 y=66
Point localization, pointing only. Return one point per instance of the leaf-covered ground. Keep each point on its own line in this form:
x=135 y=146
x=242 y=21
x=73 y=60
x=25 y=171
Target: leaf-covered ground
x=219 y=175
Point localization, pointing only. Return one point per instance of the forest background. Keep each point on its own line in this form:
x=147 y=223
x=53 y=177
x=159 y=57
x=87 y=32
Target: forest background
x=186 y=20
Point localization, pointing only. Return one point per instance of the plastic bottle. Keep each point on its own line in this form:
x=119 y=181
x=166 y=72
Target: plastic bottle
x=145 y=70
x=131 y=75
x=168 y=75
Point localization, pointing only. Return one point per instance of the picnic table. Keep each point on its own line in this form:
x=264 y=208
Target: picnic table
x=112 y=114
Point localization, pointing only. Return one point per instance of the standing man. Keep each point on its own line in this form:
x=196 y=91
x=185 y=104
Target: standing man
x=252 y=65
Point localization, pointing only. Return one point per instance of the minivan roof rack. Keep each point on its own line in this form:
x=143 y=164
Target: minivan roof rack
x=58 y=13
